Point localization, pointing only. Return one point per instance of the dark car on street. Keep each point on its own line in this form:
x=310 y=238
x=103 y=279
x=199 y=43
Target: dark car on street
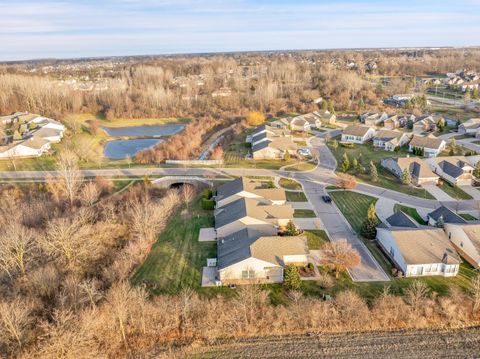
x=326 y=199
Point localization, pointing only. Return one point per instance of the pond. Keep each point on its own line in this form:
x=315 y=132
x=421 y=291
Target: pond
x=144 y=131
x=120 y=149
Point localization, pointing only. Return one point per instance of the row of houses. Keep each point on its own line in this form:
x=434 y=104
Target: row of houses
x=456 y=170
x=462 y=79
x=306 y=122
x=470 y=127
x=418 y=250
x=36 y=136
x=249 y=218
x=421 y=124
x=389 y=140
x=270 y=142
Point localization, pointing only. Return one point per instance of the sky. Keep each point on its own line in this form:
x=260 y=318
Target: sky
x=32 y=29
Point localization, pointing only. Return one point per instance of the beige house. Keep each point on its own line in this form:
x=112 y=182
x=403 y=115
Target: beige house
x=248 y=188
x=251 y=213
x=357 y=134
x=250 y=257
x=471 y=126
x=431 y=145
x=466 y=240
x=456 y=170
x=419 y=252
x=420 y=172
x=391 y=123
x=426 y=124
x=372 y=119
x=389 y=140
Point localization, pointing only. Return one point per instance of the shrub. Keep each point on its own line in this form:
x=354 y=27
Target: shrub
x=207 y=193
x=208 y=204
x=291 y=278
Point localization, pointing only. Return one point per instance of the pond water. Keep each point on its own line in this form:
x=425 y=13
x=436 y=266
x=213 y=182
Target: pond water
x=120 y=149
x=145 y=130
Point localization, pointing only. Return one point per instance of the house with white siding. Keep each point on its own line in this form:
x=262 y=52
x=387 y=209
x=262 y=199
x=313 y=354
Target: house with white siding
x=420 y=172
x=244 y=187
x=419 y=252
x=357 y=134
x=251 y=257
x=389 y=140
x=466 y=240
x=430 y=145
x=456 y=170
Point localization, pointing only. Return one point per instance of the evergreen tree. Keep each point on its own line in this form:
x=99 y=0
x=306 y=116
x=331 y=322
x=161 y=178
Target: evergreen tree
x=369 y=227
x=406 y=178
x=334 y=144
x=291 y=278
x=476 y=171
x=291 y=229
x=345 y=163
x=373 y=172
x=355 y=164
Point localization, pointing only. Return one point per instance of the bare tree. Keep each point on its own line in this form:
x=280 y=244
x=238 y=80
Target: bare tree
x=188 y=193
x=340 y=256
x=15 y=321
x=90 y=193
x=70 y=178
x=16 y=245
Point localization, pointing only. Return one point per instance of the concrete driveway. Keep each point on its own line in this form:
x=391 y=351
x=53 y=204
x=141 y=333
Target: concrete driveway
x=437 y=193
x=338 y=229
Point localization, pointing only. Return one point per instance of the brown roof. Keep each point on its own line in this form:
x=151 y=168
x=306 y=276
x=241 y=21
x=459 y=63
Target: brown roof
x=35 y=142
x=387 y=135
x=249 y=185
x=426 y=141
x=273 y=249
x=415 y=166
x=424 y=245
x=356 y=130
x=473 y=233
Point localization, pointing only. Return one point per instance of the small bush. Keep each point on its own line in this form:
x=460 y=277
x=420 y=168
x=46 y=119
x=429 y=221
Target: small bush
x=208 y=204
x=207 y=193
x=310 y=266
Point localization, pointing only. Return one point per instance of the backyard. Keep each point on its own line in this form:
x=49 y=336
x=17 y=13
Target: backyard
x=412 y=212
x=176 y=259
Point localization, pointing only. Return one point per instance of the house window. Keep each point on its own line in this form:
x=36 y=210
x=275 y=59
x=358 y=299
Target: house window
x=392 y=252
x=248 y=274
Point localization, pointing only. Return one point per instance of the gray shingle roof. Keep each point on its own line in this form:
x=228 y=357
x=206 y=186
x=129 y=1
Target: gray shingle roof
x=401 y=219
x=450 y=169
x=448 y=215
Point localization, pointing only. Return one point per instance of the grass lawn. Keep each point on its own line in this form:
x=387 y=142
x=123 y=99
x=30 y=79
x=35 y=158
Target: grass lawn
x=288 y=183
x=316 y=238
x=176 y=259
x=454 y=191
x=296 y=196
x=366 y=153
x=301 y=143
x=303 y=166
x=354 y=206
x=467 y=217
x=304 y=213
x=412 y=212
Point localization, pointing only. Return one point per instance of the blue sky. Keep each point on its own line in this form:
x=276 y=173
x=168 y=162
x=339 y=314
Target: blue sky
x=66 y=28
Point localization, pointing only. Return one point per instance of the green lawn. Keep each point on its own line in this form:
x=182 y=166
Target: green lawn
x=316 y=238
x=302 y=166
x=296 y=196
x=288 y=183
x=366 y=153
x=454 y=191
x=467 y=217
x=177 y=258
x=354 y=206
x=412 y=212
x=304 y=213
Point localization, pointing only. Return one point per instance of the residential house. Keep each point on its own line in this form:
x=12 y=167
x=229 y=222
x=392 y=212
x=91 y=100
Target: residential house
x=430 y=145
x=456 y=170
x=472 y=85
x=251 y=213
x=420 y=251
x=357 y=134
x=248 y=256
x=471 y=126
x=373 y=119
x=426 y=124
x=420 y=172
x=326 y=117
x=244 y=187
x=391 y=123
x=389 y=140
x=271 y=143
x=31 y=147
x=466 y=240
x=401 y=219
x=404 y=120
x=445 y=215
x=306 y=122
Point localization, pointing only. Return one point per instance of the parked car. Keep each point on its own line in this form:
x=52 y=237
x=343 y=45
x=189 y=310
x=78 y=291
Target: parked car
x=326 y=199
